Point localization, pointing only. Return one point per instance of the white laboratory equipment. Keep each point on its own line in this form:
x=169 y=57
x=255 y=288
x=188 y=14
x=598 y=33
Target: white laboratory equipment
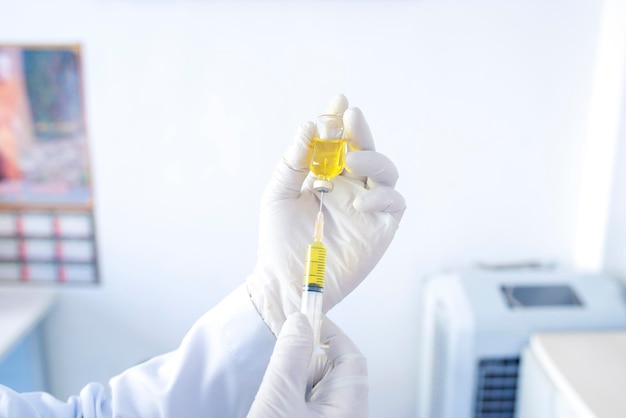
x=475 y=325
x=573 y=375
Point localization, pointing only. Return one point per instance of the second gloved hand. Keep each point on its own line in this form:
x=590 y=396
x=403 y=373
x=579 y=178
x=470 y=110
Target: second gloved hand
x=341 y=388
x=361 y=217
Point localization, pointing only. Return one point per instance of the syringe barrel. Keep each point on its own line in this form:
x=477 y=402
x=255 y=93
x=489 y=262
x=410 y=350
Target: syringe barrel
x=313 y=286
x=312 y=308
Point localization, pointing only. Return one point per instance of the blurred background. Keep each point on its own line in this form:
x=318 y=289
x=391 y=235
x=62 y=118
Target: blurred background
x=488 y=109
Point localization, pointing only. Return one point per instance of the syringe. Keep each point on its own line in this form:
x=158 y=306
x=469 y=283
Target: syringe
x=327 y=162
x=314 y=275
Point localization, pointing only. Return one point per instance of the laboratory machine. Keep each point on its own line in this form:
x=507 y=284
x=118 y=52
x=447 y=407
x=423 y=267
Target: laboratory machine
x=476 y=323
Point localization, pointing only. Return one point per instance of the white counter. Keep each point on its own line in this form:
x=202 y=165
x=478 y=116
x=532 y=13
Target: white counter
x=574 y=375
x=21 y=309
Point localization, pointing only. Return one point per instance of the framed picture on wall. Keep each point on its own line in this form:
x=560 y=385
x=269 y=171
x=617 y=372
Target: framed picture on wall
x=46 y=201
x=43 y=141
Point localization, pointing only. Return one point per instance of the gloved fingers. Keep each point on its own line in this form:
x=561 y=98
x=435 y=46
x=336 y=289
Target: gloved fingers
x=294 y=166
x=358 y=136
x=357 y=131
x=376 y=167
x=337 y=342
x=288 y=366
x=381 y=199
x=345 y=385
x=337 y=105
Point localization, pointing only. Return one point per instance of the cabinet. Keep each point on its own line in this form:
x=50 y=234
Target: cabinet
x=574 y=375
x=22 y=361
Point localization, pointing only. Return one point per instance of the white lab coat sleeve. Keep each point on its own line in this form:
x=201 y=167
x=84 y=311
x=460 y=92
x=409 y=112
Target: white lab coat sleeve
x=93 y=402
x=215 y=372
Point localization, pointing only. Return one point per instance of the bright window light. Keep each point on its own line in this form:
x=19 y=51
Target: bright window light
x=601 y=138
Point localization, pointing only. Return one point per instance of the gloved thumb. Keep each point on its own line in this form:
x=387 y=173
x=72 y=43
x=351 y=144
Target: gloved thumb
x=284 y=383
x=291 y=171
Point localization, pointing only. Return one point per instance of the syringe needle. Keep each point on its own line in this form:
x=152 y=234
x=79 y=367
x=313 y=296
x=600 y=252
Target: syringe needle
x=318 y=235
x=322 y=200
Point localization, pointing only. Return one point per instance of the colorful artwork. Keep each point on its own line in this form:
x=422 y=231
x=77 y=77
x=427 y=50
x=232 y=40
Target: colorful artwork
x=43 y=144
x=47 y=231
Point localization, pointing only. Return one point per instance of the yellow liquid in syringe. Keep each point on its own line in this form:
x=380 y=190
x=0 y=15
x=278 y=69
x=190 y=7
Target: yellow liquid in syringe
x=328 y=158
x=315 y=267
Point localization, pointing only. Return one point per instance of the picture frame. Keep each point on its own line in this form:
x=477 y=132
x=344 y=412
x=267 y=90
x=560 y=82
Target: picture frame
x=44 y=158
x=47 y=228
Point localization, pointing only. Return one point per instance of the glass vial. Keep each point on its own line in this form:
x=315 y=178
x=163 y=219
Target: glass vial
x=329 y=151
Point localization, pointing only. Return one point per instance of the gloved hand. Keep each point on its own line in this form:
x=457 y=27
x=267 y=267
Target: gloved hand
x=361 y=217
x=341 y=388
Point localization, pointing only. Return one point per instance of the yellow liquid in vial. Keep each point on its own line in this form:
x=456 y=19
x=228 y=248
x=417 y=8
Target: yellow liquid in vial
x=315 y=267
x=328 y=157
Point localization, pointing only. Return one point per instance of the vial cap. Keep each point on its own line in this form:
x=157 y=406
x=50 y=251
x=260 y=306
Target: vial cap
x=323 y=186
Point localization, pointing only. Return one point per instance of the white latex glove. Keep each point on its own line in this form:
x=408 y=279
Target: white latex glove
x=361 y=217
x=341 y=388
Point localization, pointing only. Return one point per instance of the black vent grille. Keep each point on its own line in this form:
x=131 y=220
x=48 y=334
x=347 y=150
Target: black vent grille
x=496 y=388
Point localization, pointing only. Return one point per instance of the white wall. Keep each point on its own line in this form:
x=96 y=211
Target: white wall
x=481 y=104
x=613 y=255
x=614 y=262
